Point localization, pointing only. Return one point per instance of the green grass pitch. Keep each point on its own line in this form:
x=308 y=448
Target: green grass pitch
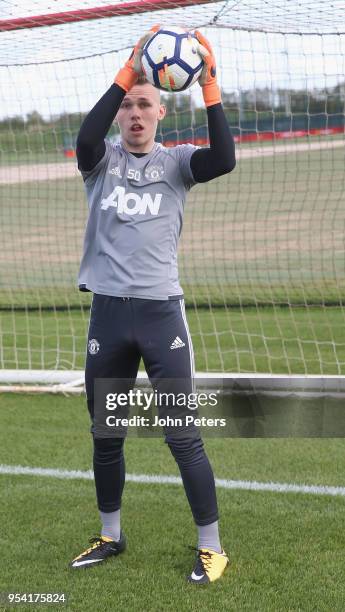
x=286 y=550
x=270 y=233
x=279 y=238
x=276 y=340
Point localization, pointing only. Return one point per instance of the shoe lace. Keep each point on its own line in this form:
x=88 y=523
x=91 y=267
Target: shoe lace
x=96 y=542
x=204 y=560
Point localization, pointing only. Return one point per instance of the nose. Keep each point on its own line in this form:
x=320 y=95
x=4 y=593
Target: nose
x=135 y=113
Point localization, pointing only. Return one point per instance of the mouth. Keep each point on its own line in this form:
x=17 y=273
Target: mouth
x=137 y=128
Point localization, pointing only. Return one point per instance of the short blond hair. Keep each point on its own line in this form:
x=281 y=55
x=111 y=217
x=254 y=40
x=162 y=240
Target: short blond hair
x=142 y=80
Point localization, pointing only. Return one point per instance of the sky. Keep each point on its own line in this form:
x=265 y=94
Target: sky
x=67 y=68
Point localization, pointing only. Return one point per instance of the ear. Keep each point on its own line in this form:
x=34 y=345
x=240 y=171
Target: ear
x=162 y=112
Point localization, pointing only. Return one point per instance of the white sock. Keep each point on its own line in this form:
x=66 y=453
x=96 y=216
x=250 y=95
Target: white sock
x=209 y=537
x=111 y=527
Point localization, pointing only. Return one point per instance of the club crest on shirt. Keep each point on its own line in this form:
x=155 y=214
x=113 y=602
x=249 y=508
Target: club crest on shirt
x=154 y=172
x=93 y=346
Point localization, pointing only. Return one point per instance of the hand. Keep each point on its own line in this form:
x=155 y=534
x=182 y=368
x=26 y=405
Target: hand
x=208 y=79
x=128 y=75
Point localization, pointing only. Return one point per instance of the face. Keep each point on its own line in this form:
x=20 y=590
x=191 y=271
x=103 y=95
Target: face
x=138 y=118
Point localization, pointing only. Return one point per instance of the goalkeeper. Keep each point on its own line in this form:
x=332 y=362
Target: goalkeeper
x=136 y=191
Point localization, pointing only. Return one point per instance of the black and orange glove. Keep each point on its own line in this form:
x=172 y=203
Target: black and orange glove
x=208 y=78
x=128 y=75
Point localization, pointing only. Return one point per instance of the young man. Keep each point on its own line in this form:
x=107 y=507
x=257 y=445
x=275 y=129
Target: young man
x=136 y=191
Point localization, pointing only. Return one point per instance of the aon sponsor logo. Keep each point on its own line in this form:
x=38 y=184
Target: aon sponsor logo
x=132 y=203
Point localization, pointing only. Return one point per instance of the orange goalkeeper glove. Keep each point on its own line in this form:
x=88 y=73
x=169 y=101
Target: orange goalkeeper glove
x=208 y=79
x=128 y=75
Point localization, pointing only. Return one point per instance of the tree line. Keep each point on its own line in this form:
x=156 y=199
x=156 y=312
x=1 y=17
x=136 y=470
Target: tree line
x=181 y=111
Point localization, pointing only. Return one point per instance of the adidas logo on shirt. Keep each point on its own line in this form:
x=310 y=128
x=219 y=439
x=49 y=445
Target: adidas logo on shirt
x=177 y=343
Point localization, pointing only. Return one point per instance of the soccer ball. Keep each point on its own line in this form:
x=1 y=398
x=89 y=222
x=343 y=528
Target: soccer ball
x=170 y=59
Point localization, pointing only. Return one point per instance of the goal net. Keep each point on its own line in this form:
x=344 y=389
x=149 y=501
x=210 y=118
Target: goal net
x=261 y=256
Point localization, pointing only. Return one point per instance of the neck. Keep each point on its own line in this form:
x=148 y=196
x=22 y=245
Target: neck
x=144 y=148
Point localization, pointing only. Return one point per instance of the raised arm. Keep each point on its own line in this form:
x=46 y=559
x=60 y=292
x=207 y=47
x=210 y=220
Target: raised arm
x=219 y=157
x=96 y=125
x=90 y=140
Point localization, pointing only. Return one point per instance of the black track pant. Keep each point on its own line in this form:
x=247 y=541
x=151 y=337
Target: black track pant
x=121 y=331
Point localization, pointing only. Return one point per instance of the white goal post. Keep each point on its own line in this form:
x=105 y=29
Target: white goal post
x=273 y=385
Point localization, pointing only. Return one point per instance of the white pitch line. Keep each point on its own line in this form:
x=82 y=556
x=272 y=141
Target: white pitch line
x=247 y=485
